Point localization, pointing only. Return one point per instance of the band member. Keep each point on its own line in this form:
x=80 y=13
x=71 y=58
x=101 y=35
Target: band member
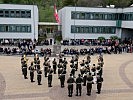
x=37 y=63
x=54 y=65
x=73 y=71
x=64 y=63
x=32 y=69
x=24 y=69
x=79 y=81
x=46 y=64
x=89 y=83
x=88 y=58
x=72 y=62
x=39 y=76
x=76 y=62
x=99 y=84
x=70 y=82
x=50 y=71
x=84 y=78
x=62 y=78
x=60 y=69
x=60 y=58
x=83 y=63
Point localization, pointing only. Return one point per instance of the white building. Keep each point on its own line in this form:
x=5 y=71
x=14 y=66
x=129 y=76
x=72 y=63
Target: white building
x=18 y=21
x=91 y=23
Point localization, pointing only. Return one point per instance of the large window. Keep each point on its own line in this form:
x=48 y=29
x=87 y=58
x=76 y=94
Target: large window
x=15 y=28
x=101 y=16
x=15 y=13
x=93 y=15
x=93 y=29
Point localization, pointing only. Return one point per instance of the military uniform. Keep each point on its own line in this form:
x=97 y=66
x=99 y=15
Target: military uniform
x=50 y=71
x=54 y=65
x=38 y=64
x=88 y=58
x=73 y=71
x=22 y=63
x=60 y=69
x=24 y=70
x=84 y=79
x=79 y=81
x=70 y=82
x=62 y=78
x=76 y=63
x=64 y=63
x=32 y=69
x=89 y=83
x=39 y=77
x=60 y=58
x=99 y=84
x=35 y=62
x=45 y=64
x=72 y=62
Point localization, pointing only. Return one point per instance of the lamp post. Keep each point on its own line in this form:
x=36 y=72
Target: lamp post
x=75 y=4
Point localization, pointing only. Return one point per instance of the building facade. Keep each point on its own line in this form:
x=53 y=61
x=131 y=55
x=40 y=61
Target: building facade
x=91 y=23
x=18 y=21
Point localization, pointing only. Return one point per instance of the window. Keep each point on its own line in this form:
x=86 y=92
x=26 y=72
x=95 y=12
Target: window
x=6 y=13
x=28 y=14
x=12 y=28
x=15 y=28
x=87 y=16
x=28 y=29
x=23 y=15
x=12 y=13
x=18 y=29
x=2 y=28
x=93 y=29
x=82 y=15
x=17 y=13
x=1 y=13
x=6 y=28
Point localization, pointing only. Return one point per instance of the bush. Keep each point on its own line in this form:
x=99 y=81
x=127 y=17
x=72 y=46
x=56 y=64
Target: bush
x=101 y=38
x=114 y=37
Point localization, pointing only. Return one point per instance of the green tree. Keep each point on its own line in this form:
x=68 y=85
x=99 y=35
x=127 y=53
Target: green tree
x=68 y=3
x=114 y=37
x=101 y=38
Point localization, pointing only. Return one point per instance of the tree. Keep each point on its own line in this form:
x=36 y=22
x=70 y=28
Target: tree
x=101 y=38
x=68 y=3
x=114 y=37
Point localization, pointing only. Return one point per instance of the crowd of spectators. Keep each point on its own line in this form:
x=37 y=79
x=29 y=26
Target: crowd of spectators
x=118 y=49
x=95 y=47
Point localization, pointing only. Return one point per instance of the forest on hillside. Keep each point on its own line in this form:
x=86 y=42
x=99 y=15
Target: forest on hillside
x=46 y=7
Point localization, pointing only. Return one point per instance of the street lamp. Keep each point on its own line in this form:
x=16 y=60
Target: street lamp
x=75 y=4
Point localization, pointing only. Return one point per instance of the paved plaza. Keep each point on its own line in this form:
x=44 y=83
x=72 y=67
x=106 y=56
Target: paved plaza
x=117 y=85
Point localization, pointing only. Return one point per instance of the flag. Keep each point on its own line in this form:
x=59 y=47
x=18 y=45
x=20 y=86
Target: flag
x=56 y=14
